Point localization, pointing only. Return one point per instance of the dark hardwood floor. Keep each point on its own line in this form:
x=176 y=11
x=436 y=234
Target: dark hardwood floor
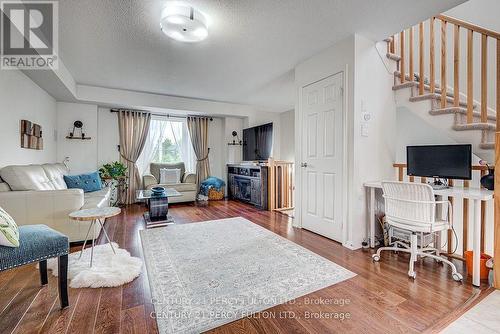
x=380 y=299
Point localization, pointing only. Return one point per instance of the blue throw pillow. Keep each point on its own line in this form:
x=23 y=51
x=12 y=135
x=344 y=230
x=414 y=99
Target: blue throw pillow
x=88 y=182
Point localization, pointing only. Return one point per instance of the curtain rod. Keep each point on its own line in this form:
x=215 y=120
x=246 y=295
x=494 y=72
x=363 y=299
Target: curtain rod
x=164 y=115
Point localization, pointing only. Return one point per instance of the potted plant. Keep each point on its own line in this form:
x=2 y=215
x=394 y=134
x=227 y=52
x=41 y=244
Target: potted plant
x=114 y=175
x=114 y=170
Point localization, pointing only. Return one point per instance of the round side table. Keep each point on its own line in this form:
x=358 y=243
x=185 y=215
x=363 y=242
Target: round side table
x=95 y=216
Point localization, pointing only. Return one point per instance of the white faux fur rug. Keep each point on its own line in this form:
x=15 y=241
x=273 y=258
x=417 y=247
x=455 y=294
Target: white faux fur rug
x=108 y=269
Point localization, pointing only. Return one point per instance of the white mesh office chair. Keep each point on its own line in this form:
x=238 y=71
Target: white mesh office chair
x=413 y=207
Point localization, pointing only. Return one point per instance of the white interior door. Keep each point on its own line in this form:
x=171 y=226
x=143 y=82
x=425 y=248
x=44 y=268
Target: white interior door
x=322 y=144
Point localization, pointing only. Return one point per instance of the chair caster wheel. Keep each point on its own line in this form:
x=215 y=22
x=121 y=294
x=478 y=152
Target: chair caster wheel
x=375 y=257
x=412 y=275
x=457 y=277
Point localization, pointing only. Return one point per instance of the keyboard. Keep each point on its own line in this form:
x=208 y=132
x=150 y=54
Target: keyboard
x=439 y=186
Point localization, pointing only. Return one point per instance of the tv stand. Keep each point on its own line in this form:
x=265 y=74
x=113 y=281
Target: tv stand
x=248 y=183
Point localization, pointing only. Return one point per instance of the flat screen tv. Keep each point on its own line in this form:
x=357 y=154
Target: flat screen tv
x=258 y=142
x=440 y=161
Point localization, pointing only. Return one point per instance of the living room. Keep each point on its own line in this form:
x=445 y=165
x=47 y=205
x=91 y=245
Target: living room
x=198 y=166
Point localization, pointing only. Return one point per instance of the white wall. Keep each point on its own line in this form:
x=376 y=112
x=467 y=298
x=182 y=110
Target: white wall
x=375 y=151
x=234 y=153
x=82 y=153
x=99 y=124
x=107 y=136
x=21 y=98
x=287 y=135
x=412 y=130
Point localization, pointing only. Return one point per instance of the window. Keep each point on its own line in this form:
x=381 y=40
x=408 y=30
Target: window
x=168 y=142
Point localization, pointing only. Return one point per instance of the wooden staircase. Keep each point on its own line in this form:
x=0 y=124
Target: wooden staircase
x=416 y=74
x=468 y=114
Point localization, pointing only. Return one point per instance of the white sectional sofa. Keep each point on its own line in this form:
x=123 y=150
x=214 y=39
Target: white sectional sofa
x=37 y=194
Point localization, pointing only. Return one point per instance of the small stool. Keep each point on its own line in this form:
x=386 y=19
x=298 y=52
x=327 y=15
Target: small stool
x=37 y=243
x=95 y=216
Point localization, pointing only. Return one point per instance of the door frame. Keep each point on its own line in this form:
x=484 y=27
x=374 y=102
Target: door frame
x=346 y=174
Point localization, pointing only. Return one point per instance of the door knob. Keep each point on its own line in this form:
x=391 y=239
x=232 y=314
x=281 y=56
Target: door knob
x=303 y=165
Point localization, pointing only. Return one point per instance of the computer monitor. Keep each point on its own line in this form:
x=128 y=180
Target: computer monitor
x=440 y=161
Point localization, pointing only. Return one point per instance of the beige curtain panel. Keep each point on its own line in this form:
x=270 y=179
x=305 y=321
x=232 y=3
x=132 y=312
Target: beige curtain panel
x=133 y=128
x=198 y=131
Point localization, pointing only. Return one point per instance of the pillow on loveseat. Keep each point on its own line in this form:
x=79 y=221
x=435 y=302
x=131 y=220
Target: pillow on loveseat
x=9 y=233
x=88 y=182
x=170 y=175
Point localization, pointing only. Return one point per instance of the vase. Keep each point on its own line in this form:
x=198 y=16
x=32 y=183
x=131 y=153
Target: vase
x=488 y=180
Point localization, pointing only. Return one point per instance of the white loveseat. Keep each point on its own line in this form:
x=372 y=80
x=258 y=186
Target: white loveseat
x=37 y=194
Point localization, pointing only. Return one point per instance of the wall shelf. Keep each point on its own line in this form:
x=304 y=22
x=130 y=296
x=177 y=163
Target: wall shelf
x=80 y=138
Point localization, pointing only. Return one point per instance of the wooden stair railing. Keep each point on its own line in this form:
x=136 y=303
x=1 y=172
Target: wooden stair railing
x=280 y=185
x=407 y=52
x=472 y=30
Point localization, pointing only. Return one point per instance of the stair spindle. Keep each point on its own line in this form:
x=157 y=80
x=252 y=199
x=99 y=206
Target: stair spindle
x=421 y=58
x=456 y=66
x=402 y=61
x=484 y=78
x=470 y=77
x=498 y=86
x=410 y=59
x=443 y=65
x=431 y=57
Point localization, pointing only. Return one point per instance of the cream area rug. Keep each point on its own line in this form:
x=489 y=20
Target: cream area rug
x=108 y=269
x=204 y=275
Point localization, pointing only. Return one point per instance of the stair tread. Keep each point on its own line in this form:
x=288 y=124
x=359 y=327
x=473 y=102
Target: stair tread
x=458 y=110
x=487 y=146
x=427 y=87
x=475 y=126
x=393 y=56
x=406 y=84
x=436 y=96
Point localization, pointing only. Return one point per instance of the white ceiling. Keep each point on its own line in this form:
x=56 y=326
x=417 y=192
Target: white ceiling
x=249 y=56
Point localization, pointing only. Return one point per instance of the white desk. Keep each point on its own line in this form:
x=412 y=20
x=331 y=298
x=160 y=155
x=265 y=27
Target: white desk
x=475 y=194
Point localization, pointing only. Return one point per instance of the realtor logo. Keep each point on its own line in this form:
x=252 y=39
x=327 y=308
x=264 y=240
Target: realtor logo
x=29 y=35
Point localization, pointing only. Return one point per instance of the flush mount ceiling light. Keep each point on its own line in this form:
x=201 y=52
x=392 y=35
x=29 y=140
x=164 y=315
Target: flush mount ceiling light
x=184 y=23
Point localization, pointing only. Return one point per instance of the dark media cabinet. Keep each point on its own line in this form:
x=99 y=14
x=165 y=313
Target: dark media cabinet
x=248 y=183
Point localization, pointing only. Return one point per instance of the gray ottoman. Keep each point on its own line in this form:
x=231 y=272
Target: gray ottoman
x=37 y=243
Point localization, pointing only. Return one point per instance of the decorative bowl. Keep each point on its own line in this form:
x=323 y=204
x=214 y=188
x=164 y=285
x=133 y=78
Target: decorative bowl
x=157 y=190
